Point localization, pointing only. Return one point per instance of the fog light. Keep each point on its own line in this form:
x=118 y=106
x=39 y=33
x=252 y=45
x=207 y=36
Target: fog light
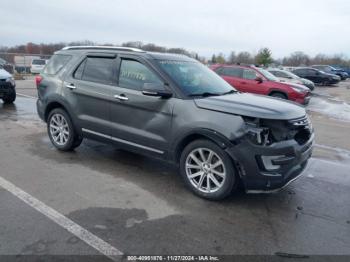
x=267 y=161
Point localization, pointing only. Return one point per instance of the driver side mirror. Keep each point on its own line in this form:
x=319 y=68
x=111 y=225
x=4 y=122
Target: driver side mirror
x=259 y=79
x=156 y=89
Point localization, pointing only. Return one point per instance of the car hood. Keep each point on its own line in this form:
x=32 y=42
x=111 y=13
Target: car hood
x=331 y=75
x=4 y=74
x=252 y=106
x=287 y=80
x=299 y=86
x=307 y=81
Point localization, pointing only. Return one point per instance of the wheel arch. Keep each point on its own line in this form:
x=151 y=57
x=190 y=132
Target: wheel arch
x=274 y=91
x=189 y=137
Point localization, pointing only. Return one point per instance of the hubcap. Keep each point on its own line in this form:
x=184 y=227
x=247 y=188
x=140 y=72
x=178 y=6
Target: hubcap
x=59 y=129
x=205 y=170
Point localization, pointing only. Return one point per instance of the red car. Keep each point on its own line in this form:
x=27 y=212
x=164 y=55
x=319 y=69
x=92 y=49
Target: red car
x=256 y=80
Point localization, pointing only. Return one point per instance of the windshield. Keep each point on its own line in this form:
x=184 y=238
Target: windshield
x=268 y=75
x=291 y=75
x=195 y=79
x=38 y=62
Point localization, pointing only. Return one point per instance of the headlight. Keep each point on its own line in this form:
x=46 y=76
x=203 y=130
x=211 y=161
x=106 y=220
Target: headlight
x=11 y=80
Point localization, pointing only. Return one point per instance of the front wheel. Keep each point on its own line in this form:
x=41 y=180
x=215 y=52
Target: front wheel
x=61 y=130
x=207 y=170
x=279 y=95
x=10 y=97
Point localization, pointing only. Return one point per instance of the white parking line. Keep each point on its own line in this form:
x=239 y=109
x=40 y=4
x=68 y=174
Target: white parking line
x=86 y=236
x=26 y=96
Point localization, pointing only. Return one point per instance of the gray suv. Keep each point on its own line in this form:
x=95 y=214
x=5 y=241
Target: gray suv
x=174 y=108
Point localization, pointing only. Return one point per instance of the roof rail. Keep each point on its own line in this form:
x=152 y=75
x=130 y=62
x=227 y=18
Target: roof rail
x=120 y=48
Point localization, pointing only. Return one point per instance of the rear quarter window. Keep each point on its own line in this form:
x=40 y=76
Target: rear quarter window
x=56 y=63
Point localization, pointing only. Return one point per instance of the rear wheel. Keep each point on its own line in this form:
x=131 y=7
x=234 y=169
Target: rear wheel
x=279 y=95
x=207 y=170
x=10 y=97
x=61 y=130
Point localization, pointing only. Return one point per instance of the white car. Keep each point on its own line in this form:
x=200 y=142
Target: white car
x=286 y=76
x=37 y=66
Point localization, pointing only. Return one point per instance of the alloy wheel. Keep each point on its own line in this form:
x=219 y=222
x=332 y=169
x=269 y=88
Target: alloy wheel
x=59 y=129
x=205 y=170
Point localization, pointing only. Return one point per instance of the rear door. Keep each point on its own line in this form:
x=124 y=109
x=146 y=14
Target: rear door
x=314 y=75
x=89 y=90
x=141 y=122
x=232 y=75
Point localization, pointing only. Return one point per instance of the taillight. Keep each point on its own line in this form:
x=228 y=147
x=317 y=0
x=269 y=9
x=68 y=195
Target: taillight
x=38 y=80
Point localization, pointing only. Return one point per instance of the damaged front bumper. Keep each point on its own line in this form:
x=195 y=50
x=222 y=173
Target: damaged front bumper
x=265 y=169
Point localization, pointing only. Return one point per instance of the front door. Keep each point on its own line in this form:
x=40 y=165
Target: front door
x=250 y=84
x=139 y=121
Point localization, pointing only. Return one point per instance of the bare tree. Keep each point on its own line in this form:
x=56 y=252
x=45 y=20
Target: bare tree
x=232 y=59
x=297 y=59
x=245 y=58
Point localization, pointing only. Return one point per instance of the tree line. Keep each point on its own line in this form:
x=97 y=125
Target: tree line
x=263 y=57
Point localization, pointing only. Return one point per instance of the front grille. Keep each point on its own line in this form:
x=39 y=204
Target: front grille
x=5 y=85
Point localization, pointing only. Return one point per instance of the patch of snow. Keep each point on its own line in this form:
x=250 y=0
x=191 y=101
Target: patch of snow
x=339 y=110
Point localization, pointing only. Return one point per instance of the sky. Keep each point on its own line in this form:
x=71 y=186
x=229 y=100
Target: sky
x=202 y=26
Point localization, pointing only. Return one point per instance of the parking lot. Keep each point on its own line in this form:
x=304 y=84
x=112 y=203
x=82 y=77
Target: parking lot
x=100 y=200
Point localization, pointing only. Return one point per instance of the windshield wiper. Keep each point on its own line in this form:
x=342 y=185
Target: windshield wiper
x=230 y=92
x=205 y=94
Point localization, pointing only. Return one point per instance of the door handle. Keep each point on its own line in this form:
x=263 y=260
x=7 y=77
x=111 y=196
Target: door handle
x=70 y=86
x=121 y=97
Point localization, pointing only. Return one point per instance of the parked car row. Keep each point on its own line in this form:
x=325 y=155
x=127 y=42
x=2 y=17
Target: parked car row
x=257 y=80
x=293 y=83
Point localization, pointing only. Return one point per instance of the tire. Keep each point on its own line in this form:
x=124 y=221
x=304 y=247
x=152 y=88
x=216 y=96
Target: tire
x=326 y=83
x=61 y=130
x=10 y=97
x=279 y=95
x=226 y=182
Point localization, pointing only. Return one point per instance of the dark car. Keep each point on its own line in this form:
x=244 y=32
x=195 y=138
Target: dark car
x=343 y=69
x=332 y=70
x=316 y=76
x=174 y=108
x=256 y=80
x=7 y=87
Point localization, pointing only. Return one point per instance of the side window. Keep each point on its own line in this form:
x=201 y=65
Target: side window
x=219 y=70
x=280 y=74
x=232 y=71
x=79 y=71
x=299 y=71
x=311 y=72
x=276 y=73
x=249 y=74
x=97 y=69
x=56 y=63
x=133 y=75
